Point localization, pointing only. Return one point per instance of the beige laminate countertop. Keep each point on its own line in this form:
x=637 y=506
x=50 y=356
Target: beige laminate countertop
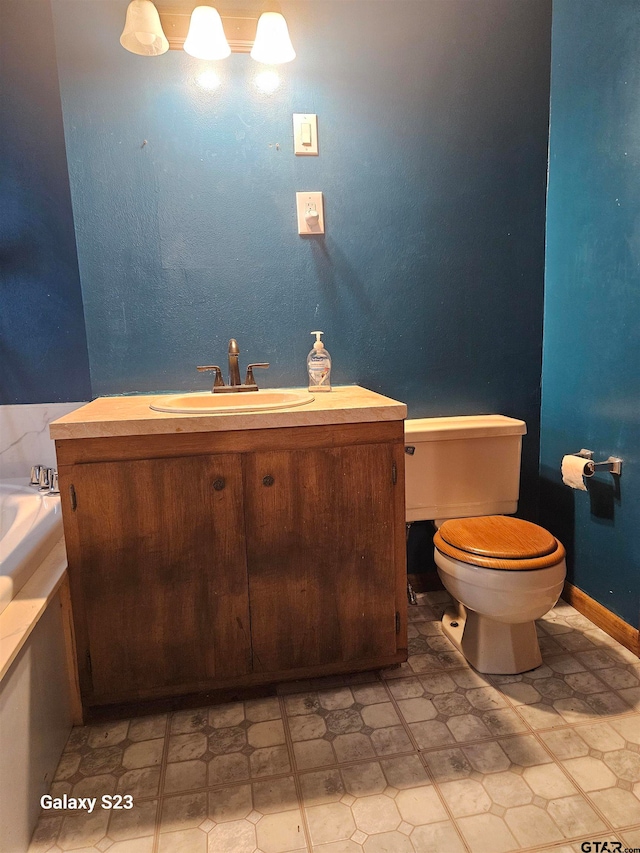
x=106 y=417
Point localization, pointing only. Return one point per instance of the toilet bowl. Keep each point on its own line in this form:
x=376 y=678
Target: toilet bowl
x=504 y=573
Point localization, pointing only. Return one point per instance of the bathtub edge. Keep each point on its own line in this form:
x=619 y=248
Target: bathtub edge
x=23 y=613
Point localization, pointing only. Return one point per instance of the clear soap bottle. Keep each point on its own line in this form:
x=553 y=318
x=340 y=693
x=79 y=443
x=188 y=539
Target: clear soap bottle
x=319 y=366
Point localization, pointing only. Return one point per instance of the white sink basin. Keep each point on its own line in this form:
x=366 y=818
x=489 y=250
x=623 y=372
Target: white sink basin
x=243 y=401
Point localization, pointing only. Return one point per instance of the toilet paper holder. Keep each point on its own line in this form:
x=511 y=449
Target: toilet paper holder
x=613 y=464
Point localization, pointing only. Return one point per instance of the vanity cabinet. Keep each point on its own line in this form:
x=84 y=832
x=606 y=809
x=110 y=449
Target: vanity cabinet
x=321 y=555
x=207 y=561
x=158 y=573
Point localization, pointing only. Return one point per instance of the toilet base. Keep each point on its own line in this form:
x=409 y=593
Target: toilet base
x=496 y=648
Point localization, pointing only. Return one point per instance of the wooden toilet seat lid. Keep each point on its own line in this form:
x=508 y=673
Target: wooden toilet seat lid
x=499 y=542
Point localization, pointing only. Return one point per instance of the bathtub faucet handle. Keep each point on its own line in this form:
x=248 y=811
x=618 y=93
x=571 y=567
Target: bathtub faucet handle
x=43 y=481
x=46 y=478
x=35 y=475
x=55 y=488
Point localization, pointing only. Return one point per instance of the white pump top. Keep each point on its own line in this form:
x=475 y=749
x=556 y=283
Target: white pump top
x=318 y=344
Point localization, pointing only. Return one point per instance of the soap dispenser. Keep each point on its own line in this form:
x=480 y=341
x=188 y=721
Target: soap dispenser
x=319 y=366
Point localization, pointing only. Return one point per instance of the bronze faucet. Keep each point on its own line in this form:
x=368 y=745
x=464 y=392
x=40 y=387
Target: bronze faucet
x=234 y=373
x=234 y=368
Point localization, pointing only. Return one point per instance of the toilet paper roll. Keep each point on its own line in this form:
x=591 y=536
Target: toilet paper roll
x=573 y=472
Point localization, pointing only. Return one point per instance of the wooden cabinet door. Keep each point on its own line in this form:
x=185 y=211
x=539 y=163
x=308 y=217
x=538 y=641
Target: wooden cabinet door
x=320 y=552
x=158 y=574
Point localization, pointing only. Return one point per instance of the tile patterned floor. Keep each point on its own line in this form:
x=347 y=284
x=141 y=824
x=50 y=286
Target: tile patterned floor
x=428 y=757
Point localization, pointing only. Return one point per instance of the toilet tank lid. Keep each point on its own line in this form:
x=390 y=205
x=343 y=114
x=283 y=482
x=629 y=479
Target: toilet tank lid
x=467 y=426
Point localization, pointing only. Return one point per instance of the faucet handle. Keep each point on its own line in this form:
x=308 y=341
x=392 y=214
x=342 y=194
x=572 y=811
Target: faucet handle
x=44 y=481
x=54 y=487
x=218 y=382
x=250 y=380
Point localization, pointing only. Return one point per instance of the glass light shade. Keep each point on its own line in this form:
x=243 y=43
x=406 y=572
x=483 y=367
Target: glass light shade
x=206 y=38
x=273 y=44
x=142 y=32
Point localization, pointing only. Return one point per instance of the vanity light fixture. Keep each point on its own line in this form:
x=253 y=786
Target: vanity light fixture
x=273 y=43
x=143 y=33
x=206 y=38
x=206 y=34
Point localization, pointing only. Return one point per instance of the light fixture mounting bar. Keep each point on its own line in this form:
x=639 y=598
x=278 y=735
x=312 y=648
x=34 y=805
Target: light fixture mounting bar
x=239 y=27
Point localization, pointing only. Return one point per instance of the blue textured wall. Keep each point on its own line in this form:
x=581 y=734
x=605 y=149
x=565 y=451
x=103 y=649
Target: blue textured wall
x=433 y=140
x=591 y=367
x=43 y=348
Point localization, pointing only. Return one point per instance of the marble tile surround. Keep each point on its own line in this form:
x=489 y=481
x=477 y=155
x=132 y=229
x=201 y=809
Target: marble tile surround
x=24 y=436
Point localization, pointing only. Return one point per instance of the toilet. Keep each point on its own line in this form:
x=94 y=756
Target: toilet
x=463 y=473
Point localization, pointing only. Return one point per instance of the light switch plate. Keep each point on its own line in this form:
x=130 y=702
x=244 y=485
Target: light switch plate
x=305 y=202
x=305 y=134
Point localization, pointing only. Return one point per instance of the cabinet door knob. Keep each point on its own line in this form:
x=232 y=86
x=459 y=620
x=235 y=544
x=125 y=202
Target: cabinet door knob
x=268 y=480
x=219 y=484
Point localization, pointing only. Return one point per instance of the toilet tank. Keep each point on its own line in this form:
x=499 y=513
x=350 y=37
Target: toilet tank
x=462 y=466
